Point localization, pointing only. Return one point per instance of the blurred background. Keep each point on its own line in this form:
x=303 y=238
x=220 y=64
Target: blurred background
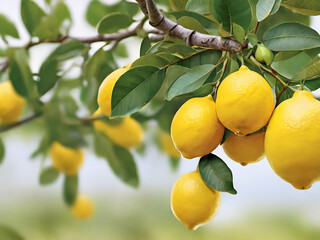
x=265 y=207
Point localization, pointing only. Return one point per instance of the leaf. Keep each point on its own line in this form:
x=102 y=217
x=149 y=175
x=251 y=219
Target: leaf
x=199 y=6
x=205 y=57
x=189 y=81
x=275 y=7
x=174 y=163
x=191 y=23
x=227 y=134
x=145 y=46
x=8 y=233
x=311 y=71
x=216 y=173
x=181 y=50
x=2 y=151
x=113 y=22
x=70 y=189
x=7 y=28
x=291 y=37
x=121 y=51
x=271 y=80
x=228 y=12
x=305 y=7
x=150 y=60
x=313 y=84
x=31 y=15
x=264 y=8
x=252 y=39
x=238 y=32
x=290 y=64
x=48 y=175
x=120 y=159
x=135 y=88
x=178 y=4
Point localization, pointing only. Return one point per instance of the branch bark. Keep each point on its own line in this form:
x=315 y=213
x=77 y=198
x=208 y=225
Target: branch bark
x=191 y=37
x=19 y=123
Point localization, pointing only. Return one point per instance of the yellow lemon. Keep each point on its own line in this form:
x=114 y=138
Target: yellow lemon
x=196 y=130
x=193 y=202
x=244 y=101
x=66 y=160
x=244 y=150
x=128 y=133
x=167 y=145
x=11 y=104
x=106 y=88
x=83 y=207
x=292 y=141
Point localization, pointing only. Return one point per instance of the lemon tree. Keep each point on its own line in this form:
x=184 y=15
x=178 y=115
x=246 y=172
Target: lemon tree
x=236 y=73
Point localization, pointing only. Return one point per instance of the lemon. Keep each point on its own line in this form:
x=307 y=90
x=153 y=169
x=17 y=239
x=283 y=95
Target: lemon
x=106 y=88
x=167 y=145
x=244 y=150
x=128 y=133
x=83 y=207
x=292 y=141
x=264 y=54
x=66 y=160
x=193 y=202
x=196 y=130
x=244 y=101
x=11 y=104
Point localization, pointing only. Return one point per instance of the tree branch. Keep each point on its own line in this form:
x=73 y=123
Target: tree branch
x=19 y=123
x=191 y=37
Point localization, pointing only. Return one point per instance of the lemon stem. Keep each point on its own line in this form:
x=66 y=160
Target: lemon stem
x=272 y=73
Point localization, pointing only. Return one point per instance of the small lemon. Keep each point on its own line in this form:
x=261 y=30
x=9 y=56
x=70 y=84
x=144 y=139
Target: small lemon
x=83 y=207
x=66 y=160
x=193 y=202
x=11 y=104
x=264 y=54
x=244 y=101
x=128 y=133
x=196 y=130
x=167 y=145
x=106 y=88
x=244 y=150
x=293 y=139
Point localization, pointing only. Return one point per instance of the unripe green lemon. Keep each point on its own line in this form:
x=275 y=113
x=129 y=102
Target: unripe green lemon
x=264 y=54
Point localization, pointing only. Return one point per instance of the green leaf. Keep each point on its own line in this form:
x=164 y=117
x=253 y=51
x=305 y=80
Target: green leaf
x=264 y=8
x=31 y=15
x=150 y=60
x=70 y=189
x=291 y=37
x=145 y=46
x=290 y=64
x=216 y=173
x=205 y=57
x=199 y=6
x=68 y=50
x=313 y=84
x=7 y=28
x=2 y=151
x=189 y=81
x=120 y=159
x=228 y=12
x=276 y=7
x=238 y=32
x=182 y=50
x=121 y=50
x=191 y=23
x=227 y=134
x=113 y=22
x=271 y=80
x=174 y=163
x=311 y=71
x=8 y=233
x=178 y=4
x=130 y=94
x=305 y=7
x=48 y=175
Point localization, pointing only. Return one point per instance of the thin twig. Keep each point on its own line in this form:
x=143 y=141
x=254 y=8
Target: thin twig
x=19 y=123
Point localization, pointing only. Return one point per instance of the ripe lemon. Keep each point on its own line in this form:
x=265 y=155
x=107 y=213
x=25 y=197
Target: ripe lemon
x=106 y=88
x=196 y=130
x=83 y=207
x=244 y=101
x=193 y=202
x=292 y=141
x=11 y=104
x=66 y=160
x=244 y=150
x=167 y=145
x=128 y=133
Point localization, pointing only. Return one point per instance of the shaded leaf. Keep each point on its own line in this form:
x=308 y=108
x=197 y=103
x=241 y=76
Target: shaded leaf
x=7 y=28
x=174 y=163
x=305 y=7
x=191 y=23
x=70 y=189
x=2 y=151
x=8 y=233
x=227 y=134
x=264 y=8
x=145 y=46
x=114 y=22
x=199 y=6
x=48 y=175
x=178 y=4
x=31 y=15
x=238 y=32
x=150 y=60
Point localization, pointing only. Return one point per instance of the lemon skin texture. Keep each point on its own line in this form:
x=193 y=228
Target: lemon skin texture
x=66 y=160
x=244 y=150
x=292 y=142
x=106 y=88
x=193 y=202
x=195 y=129
x=128 y=133
x=83 y=207
x=167 y=145
x=244 y=101
x=11 y=104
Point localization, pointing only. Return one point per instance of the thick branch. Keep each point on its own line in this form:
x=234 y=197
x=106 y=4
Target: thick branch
x=191 y=37
x=143 y=6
